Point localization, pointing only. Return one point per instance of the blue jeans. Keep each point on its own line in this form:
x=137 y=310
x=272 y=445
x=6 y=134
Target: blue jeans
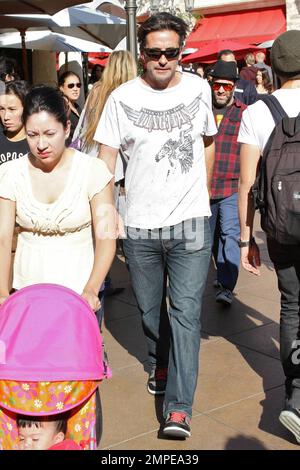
x=100 y=313
x=227 y=252
x=183 y=250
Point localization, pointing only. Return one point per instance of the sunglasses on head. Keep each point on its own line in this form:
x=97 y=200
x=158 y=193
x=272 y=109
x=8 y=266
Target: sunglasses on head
x=226 y=86
x=71 y=85
x=155 y=53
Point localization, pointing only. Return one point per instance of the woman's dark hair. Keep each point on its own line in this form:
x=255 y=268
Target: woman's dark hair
x=93 y=78
x=37 y=421
x=46 y=98
x=266 y=79
x=19 y=88
x=9 y=66
x=162 y=21
x=63 y=76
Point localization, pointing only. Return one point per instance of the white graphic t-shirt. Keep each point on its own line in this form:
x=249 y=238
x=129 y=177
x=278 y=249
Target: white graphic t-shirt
x=160 y=132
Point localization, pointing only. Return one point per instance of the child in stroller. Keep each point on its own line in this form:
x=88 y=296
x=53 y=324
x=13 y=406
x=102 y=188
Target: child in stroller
x=44 y=434
x=51 y=364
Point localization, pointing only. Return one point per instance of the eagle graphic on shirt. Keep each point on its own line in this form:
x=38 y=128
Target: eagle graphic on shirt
x=163 y=120
x=179 y=152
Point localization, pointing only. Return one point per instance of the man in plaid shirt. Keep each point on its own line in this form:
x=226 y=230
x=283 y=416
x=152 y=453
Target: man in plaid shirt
x=224 y=222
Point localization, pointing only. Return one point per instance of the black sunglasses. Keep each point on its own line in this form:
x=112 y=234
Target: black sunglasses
x=169 y=53
x=71 y=85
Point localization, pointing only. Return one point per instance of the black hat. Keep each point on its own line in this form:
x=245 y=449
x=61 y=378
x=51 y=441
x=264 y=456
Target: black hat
x=225 y=70
x=285 y=54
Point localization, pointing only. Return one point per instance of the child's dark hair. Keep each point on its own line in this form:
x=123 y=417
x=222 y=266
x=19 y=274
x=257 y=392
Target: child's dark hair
x=224 y=52
x=162 y=21
x=19 y=88
x=37 y=421
x=46 y=98
x=64 y=75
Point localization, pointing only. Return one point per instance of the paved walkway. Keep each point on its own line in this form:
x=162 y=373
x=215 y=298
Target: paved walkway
x=240 y=387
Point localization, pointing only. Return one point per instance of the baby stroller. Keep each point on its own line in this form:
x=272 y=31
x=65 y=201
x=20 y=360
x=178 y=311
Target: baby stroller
x=51 y=362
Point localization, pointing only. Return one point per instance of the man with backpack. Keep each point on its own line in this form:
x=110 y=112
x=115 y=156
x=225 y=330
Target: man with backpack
x=271 y=128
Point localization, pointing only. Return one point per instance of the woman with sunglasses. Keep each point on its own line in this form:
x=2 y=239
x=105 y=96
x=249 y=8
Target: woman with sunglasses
x=69 y=84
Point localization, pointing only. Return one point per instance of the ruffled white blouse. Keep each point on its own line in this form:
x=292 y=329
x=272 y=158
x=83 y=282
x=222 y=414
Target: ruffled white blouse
x=55 y=243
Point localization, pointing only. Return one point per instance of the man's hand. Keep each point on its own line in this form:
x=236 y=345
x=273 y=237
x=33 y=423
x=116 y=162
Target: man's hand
x=250 y=258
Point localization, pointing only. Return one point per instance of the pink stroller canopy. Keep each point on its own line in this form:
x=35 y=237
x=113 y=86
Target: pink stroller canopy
x=49 y=333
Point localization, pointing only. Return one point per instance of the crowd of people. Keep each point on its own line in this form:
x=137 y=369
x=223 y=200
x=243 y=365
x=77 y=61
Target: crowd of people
x=181 y=152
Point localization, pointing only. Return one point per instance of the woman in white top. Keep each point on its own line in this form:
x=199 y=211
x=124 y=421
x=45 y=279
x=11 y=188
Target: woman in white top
x=63 y=204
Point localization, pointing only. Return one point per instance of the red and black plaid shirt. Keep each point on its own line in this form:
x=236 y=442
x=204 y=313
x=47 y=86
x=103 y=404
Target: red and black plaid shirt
x=227 y=159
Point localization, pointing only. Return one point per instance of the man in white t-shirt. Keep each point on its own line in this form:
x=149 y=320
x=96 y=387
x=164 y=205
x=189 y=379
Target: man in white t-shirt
x=256 y=127
x=164 y=124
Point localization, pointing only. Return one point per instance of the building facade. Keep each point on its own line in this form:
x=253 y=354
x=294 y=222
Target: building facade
x=211 y=7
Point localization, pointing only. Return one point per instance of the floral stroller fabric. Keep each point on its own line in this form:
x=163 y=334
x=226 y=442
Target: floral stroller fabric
x=51 y=362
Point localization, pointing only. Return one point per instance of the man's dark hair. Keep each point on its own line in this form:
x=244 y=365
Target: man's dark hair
x=19 y=88
x=162 y=21
x=37 y=421
x=8 y=66
x=224 y=52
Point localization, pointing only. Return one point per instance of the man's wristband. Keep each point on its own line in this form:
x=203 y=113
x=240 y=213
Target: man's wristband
x=244 y=243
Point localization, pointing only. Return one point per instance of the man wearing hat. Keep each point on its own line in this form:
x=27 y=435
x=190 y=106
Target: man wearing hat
x=228 y=113
x=256 y=127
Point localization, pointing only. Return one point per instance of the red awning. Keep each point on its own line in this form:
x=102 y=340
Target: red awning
x=250 y=26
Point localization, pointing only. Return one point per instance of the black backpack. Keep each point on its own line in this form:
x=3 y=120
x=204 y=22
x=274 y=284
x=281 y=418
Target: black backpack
x=276 y=191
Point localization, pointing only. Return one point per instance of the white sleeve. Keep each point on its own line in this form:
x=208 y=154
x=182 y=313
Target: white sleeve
x=246 y=132
x=256 y=126
x=99 y=177
x=108 y=130
x=6 y=184
x=211 y=128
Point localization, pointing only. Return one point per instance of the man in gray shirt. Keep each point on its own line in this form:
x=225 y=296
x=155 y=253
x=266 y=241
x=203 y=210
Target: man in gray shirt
x=260 y=64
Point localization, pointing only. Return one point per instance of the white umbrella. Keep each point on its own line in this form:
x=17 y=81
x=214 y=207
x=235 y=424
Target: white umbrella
x=74 y=16
x=266 y=44
x=114 y=7
x=92 y=25
x=81 y=22
x=36 y=6
x=48 y=41
x=122 y=46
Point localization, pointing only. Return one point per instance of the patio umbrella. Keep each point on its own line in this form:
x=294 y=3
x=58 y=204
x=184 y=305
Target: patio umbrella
x=8 y=23
x=209 y=52
x=48 y=41
x=84 y=23
x=114 y=7
x=70 y=22
x=266 y=44
x=91 y=25
x=48 y=7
